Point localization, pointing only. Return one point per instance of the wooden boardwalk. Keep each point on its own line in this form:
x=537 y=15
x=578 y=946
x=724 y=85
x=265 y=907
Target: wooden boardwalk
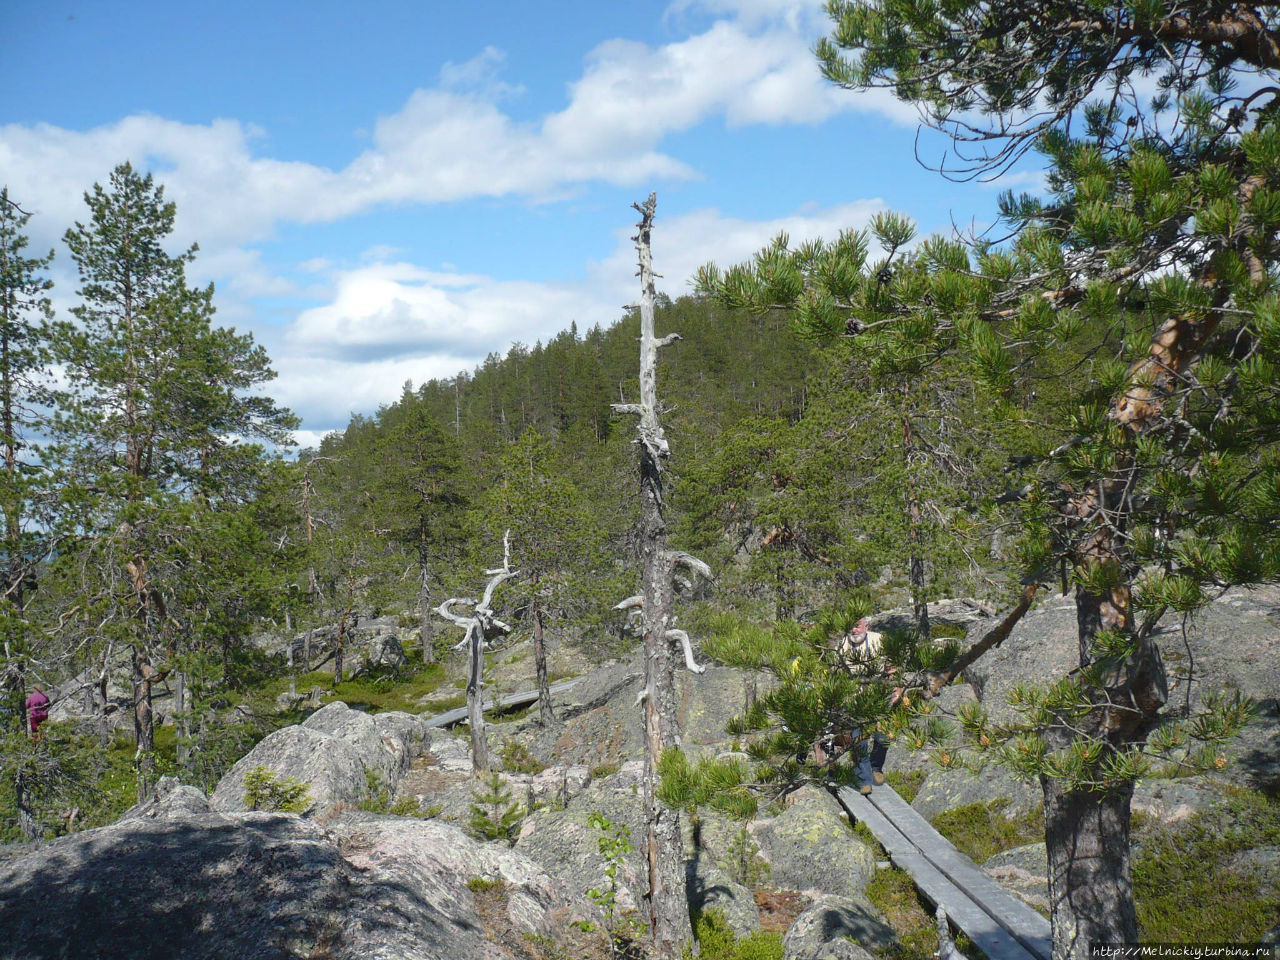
x=1001 y=925
x=524 y=698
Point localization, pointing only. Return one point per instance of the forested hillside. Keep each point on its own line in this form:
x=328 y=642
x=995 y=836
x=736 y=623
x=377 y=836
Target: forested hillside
x=152 y=535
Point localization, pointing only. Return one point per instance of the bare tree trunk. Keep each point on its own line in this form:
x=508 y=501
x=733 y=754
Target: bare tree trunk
x=101 y=702
x=915 y=572
x=479 y=627
x=1090 y=890
x=1086 y=830
x=668 y=905
x=27 y=821
x=424 y=615
x=475 y=701
x=144 y=732
x=182 y=726
x=339 y=650
x=545 y=714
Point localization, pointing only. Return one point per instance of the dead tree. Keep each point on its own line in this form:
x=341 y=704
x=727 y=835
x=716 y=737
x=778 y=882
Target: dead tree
x=668 y=908
x=480 y=627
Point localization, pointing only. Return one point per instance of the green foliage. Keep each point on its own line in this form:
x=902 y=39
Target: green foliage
x=263 y=790
x=981 y=830
x=516 y=758
x=486 y=884
x=743 y=862
x=614 y=843
x=377 y=796
x=717 y=783
x=1189 y=885
x=494 y=816
x=906 y=782
x=893 y=893
x=602 y=770
x=717 y=941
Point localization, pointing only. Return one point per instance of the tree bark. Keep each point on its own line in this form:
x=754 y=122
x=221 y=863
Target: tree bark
x=545 y=714
x=181 y=722
x=144 y=732
x=339 y=650
x=668 y=906
x=475 y=700
x=915 y=572
x=479 y=627
x=424 y=615
x=1090 y=890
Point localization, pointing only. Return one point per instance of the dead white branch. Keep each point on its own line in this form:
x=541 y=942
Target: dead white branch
x=479 y=628
x=688 y=650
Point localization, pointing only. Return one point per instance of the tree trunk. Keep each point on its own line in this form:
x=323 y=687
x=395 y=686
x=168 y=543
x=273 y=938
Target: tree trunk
x=1090 y=890
x=667 y=901
x=424 y=614
x=545 y=713
x=475 y=701
x=339 y=651
x=668 y=905
x=1086 y=830
x=181 y=724
x=915 y=563
x=143 y=724
x=100 y=698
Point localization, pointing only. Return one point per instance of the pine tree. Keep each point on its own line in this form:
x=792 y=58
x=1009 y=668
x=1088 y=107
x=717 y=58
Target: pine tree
x=1136 y=307
x=25 y=395
x=418 y=491
x=555 y=542
x=162 y=399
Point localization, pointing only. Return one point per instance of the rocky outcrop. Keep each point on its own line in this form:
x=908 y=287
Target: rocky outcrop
x=1025 y=871
x=600 y=722
x=837 y=928
x=811 y=847
x=338 y=752
x=947 y=789
x=1233 y=644
x=174 y=878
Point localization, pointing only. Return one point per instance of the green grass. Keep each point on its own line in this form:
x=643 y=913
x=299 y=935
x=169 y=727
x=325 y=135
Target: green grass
x=893 y=893
x=372 y=694
x=981 y=830
x=1187 y=885
x=906 y=783
x=717 y=941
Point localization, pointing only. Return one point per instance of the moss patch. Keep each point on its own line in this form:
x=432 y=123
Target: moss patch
x=906 y=782
x=981 y=830
x=1186 y=881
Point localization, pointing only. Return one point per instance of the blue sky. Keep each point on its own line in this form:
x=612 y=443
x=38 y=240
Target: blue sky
x=392 y=190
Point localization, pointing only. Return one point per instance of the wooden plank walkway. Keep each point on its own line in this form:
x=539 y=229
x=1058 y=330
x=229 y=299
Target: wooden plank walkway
x=999 y=924
x=521 y=699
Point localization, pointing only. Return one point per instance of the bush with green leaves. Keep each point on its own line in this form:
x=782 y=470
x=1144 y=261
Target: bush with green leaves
x=263 y=790
x=614 y=844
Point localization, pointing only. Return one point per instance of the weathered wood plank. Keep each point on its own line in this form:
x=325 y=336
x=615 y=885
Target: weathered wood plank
x=859 y=807
x=524 y=697
x=988 y=935
x=1024 y=923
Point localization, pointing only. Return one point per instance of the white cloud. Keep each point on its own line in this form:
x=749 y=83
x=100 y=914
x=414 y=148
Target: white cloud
x=453 y=142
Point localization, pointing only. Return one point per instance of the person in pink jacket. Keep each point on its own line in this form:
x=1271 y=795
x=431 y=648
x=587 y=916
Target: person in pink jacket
x=37 y=709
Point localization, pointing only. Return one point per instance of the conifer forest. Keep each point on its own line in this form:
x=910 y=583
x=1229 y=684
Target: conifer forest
x=1075 y=409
